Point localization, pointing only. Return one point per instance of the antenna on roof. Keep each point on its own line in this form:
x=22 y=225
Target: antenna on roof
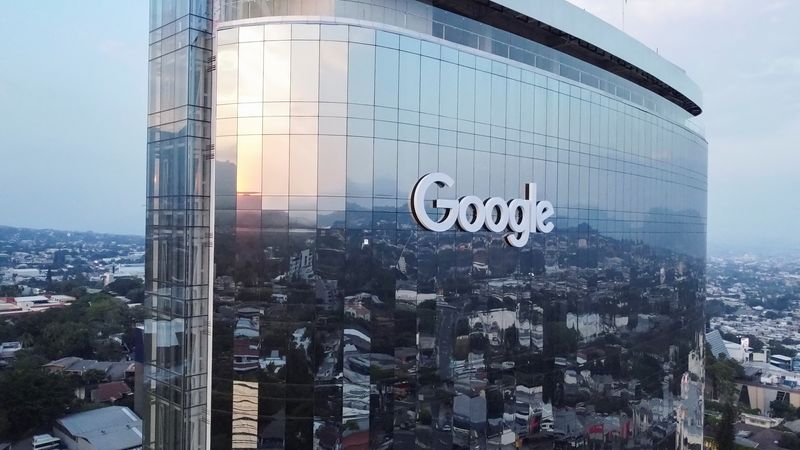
x=624 y=2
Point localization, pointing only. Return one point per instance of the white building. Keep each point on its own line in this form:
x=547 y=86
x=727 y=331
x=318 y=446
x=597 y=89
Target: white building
x=9 y=349
x=784 y=362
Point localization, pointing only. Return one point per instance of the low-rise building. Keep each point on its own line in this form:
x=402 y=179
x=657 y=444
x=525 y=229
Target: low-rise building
x=110 y=392
x=46 y=442
x=764 y=383
x=759 y=396
x=110 y=428
x=73 y=365
x=782 y=361
x=9 y=349
x=760 y=421
x=32 y=303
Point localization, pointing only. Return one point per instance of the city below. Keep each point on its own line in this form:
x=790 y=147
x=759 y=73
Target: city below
x=71 y=327
x=400 y=224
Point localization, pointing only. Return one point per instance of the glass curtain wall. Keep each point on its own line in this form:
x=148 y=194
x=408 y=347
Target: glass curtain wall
x=340 y=323
x=178 y=225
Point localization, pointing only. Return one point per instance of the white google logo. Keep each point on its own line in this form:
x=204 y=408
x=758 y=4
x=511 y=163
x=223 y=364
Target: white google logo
x=521 y=216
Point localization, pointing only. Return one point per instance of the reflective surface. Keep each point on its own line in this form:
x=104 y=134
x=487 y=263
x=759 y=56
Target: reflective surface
x=340 y=323
x=419 y=16
x=178 y=226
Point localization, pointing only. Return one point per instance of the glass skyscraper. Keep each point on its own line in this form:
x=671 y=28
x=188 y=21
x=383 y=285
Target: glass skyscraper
x=179 y=241
x=295 y=299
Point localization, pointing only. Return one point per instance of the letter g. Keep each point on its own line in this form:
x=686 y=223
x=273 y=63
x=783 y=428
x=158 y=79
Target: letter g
x=418 y=202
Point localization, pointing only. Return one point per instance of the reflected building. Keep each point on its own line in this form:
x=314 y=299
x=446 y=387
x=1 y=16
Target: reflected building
x=296 y=302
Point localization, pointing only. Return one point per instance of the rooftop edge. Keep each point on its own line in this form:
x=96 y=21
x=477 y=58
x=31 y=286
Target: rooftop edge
x=569 y=29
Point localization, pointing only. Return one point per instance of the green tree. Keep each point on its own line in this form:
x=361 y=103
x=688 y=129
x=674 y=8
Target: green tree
x=5 y=425
x=108 y=350
x=72 y=287
x=66 y=339
x=80 y=329
x=790 y=441
x=31 y=399
x=755 y=343
x=124 y=285
x=721 y=374
x=776 y=348
x=135 y=295
x=783 y=409
x=9 y=290
x=725 y=431
x=93 y=376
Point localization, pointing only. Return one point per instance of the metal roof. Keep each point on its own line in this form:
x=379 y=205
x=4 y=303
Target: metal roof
x=717 y=344
x=111 y=428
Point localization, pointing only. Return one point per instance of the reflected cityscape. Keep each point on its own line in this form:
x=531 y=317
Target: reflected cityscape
x=336 y=320
x=455 y=341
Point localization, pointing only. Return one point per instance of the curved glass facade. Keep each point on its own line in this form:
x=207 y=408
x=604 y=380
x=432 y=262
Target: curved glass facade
x=339 y=322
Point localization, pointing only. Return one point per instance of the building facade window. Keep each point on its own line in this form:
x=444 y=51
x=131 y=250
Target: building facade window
x=294 y=300
x=359 y=326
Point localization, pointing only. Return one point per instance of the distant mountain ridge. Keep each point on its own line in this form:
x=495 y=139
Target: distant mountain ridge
x=8 y=233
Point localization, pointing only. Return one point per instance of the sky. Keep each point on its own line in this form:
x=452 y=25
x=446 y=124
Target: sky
x=73 y=82
x=73 y=114
x=745 y=56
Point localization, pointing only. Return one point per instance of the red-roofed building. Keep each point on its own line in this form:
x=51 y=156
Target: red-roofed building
x=358 y=440
x=32 y=303
x=110 y=392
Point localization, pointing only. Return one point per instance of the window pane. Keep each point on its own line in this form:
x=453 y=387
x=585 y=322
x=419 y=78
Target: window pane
x=276 y=165
x=248 y=165
x=385 y=167
x=483 y=99
x=409 y=81
x=361 y=74
x=305 y=71
x=225 y=160
x=154 y=104
x=386 y=73
x=227 y=73
x=498 y=101
x=303 y=165
x=333 y=160
x=181 y=76
x=407 y=167
x=466 y=93
x=251 y=68
x=333 y=72
x=429 y=95
x=448 y=90
x=276 y=77
x=359 y=166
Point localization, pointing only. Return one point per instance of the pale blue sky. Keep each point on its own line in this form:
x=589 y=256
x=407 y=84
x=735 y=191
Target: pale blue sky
x=745 y=55
x=73 y=109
